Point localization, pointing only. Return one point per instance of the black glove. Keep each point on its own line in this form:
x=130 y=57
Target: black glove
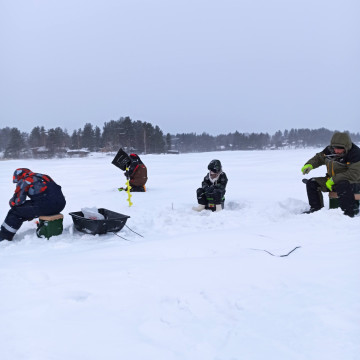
x=126 y=173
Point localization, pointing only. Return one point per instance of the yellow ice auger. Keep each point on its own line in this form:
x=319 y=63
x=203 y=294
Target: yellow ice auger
x=128 y=187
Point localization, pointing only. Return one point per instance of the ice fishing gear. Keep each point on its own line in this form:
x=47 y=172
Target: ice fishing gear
x=49 y=226
x=134 y=231
x=113 y=222
x=130 y=230
x=128 y=188
x=121 y=160
x=120 y=236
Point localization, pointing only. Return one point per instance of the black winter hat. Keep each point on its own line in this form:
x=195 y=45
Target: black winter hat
x=215 y=166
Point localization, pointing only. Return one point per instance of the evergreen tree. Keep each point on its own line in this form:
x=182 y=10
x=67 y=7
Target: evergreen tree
x=127 y=132
x=4 y=138
x=61 y=138
x=43 y=134
x=88 y=137
x=148 y=131
x=51 y=142
x=111 y=135
x=277 y=139
x=139 y=136
x=15 y=145
x=168 y=141
x=75 y=140
x=35 y=137
x=158 y=143
x=97 y=137
x=237 y=140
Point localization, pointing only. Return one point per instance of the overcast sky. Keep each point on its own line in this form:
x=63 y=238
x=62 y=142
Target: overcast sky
x=184 y=65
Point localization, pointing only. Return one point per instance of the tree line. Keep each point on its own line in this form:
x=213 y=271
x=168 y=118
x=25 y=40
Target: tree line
x=137 y=135
x=294 y=138
x=143 y=137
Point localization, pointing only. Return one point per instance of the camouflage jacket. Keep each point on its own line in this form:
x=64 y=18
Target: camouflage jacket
x=346 y=167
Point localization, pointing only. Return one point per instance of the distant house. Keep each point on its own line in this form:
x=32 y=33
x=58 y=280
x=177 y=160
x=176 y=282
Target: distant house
x=78 y=153
x=173 y=152
x=41 y=152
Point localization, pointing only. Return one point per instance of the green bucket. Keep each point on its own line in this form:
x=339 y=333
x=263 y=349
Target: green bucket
x=333 y=203
x=48 y=228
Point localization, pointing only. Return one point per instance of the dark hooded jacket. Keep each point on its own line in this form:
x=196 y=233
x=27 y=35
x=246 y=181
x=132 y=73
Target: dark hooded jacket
x=344 y=167
x=137 y=171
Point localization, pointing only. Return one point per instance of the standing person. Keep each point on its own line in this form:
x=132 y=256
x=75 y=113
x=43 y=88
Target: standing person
x=342 y=160
x=46 y=198
x=213 y=188
x=137 y=173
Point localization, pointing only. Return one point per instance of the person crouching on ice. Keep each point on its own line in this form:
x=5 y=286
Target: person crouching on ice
x=211 y=194
x=46 y=198
x=137 y=174
x=342 y=159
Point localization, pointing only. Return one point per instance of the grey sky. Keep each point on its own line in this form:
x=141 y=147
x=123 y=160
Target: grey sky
x=184 y=65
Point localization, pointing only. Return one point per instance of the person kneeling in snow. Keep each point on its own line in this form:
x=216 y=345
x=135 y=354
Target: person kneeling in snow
x=211 y=194
x=46 y=198
x=342 y=159
x=137 y=174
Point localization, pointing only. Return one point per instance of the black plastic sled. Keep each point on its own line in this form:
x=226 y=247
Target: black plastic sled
x=121 y=160
x=113 y=222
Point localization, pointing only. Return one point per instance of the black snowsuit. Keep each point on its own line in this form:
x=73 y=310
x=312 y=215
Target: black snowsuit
x=46 y=198
x=212 y=193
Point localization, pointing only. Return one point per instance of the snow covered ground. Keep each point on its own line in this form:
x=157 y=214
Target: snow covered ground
x=196 y=286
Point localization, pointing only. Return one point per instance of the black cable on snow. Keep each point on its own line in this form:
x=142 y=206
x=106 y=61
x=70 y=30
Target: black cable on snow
x=297 y=247
x=133 y=231
x=130 y=230
x=120 y=236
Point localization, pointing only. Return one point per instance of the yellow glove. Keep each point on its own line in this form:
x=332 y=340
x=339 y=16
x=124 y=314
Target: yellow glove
x=306 y=168
x=329 y=184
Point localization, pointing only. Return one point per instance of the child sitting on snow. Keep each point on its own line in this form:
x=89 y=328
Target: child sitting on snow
x=211 y=194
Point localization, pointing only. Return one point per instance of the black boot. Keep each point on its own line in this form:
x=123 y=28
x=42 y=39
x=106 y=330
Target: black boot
x=346 y=198
x=315 y=197
x=311 y=211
